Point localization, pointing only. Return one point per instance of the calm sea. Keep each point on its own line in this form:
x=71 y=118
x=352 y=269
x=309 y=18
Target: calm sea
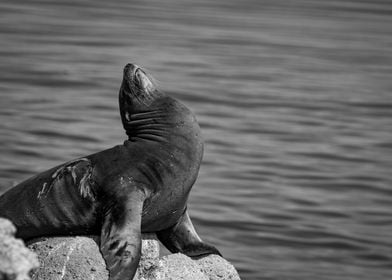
x=294 y=99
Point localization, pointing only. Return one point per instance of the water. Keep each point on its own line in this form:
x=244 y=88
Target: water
x=294 y=99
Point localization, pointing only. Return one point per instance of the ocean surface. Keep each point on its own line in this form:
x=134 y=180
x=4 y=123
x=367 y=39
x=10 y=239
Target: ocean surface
x=294 y=99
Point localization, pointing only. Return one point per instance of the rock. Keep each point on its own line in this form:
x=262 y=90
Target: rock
x=16 y=261
x=178 y=266
x=6 y=227
x=149 y=259
x=217 y=268
x=79 y=258
x=68 y=258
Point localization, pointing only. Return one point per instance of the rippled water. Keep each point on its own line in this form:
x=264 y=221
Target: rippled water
x=294 y=99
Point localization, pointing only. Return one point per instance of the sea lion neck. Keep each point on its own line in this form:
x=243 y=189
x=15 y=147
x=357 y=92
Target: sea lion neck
x=156 y=124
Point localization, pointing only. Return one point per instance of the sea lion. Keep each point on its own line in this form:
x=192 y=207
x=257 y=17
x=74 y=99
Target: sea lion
x=140 y=186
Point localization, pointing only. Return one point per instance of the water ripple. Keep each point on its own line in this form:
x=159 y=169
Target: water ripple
x=293 y=100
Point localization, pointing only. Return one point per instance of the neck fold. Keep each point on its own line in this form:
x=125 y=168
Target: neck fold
x=151 y=126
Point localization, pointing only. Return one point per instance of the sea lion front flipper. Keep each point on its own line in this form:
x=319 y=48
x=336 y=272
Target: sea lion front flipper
x=182 y=237
x=121 y=236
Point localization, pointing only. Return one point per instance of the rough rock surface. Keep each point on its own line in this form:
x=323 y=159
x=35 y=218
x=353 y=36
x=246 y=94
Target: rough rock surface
x=68 y=258
x=217 y=268
x=16 y=261
x=149 y=263
x=179 y=266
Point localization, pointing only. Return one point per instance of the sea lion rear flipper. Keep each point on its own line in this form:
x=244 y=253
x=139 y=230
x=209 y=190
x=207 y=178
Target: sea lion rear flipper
x=121 y=237
x=182 y=237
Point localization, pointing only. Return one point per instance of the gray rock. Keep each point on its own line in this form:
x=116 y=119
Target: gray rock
x=149 y=260
x=16 y=261
x=79 y=258
x=7 y=228
x=217 y=268
x=178 y=266
x=68 y=258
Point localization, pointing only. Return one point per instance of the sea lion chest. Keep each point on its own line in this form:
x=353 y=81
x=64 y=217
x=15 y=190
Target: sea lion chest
x=162 y=157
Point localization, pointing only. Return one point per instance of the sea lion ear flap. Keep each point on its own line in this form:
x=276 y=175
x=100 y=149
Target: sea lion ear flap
x=121 y=237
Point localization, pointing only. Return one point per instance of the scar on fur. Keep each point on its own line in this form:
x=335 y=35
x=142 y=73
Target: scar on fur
x=70 y=168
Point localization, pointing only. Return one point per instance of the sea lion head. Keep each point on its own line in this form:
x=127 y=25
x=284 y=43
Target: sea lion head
x=137 y=93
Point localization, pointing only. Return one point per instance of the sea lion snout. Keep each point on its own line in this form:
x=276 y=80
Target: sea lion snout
x=137 y=93
x=129 y=71
x=136 y=79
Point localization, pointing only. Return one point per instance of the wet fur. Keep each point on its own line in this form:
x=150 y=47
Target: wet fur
x=140 y=186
